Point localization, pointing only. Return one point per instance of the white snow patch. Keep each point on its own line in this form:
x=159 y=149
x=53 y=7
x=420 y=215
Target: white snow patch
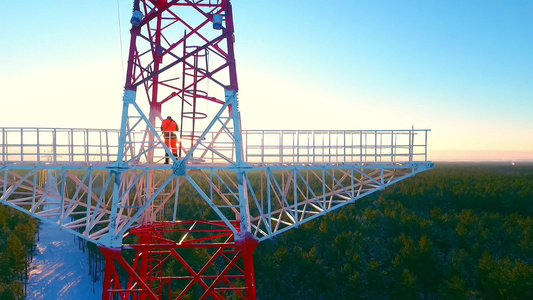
x=60 y=270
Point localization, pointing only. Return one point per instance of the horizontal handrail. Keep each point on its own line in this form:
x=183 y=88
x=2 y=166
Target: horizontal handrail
x=334 y=146
x=71 y=145
x=54 y=145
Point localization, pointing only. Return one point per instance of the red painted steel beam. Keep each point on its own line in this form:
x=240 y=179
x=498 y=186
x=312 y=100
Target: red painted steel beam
x=227 y=272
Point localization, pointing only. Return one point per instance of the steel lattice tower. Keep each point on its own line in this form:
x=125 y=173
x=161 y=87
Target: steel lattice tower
x=110 y=187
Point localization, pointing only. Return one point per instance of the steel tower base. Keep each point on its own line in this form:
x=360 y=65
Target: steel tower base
x=186 y=259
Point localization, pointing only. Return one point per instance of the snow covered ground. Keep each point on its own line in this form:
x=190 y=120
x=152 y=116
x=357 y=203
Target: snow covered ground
x=60 y=270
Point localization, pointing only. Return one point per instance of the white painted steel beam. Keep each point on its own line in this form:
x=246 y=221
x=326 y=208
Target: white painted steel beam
x=82 y=199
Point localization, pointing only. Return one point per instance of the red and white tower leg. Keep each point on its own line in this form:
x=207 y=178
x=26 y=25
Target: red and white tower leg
x=140 y=265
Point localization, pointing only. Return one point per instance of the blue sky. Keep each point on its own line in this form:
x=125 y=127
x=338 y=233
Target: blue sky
x=463 y=69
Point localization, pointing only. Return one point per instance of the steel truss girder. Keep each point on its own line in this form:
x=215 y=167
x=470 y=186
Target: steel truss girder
x=223 y=270
x=81 y=199
x=277 y=197
x=283 y=197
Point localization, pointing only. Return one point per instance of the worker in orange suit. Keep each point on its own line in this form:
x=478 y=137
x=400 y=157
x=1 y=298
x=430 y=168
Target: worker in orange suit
x=169 y=127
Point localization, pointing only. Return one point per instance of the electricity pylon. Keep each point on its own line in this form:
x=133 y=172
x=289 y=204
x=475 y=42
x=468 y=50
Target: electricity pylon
x=110 y=187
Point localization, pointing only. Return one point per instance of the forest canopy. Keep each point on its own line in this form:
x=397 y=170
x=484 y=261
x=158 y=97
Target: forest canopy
x=17 y=239
x=460 y=231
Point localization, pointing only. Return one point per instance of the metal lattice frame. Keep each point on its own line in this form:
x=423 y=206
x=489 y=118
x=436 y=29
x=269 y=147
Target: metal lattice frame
x=179 y=35
x=279 y=197
x=225 y=270
x=104 y=185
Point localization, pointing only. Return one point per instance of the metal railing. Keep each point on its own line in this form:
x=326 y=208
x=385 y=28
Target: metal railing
x=265 y=147
x=334 y=146
x=53 y=145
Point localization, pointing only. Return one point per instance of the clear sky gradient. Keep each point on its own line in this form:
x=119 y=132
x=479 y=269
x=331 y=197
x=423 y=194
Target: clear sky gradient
x=463 y=69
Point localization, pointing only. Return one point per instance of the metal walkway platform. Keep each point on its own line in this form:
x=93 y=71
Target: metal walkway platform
x=68 y=177
x=60 y=146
